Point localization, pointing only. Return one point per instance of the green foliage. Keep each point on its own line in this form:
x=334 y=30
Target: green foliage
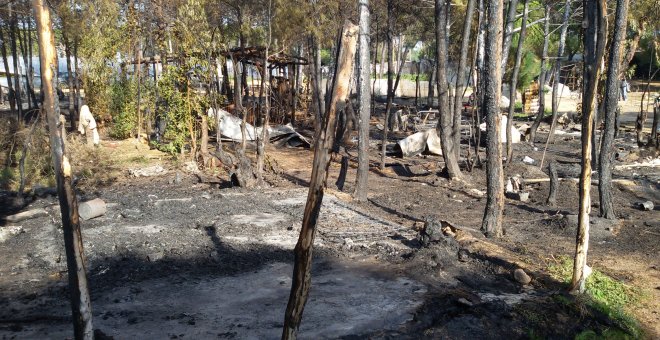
x=530 y=67
x=181 y=106
x=606 y=295
x=123 y=105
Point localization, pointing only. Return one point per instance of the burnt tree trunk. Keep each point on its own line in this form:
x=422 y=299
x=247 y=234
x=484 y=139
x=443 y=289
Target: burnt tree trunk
x=364 y=99
x=554 y=184
x=508 y=33
x=542 y=77
x=611 y=101
x=10 y=95
x=461 y=78
x=72 y=93
x=445 y=126
x=303 y=252
x=390 y=89
x=491 y=225
x=558 y=62
x=14 y=52
x=78 y=288
x=595 y=33
x=514 y=83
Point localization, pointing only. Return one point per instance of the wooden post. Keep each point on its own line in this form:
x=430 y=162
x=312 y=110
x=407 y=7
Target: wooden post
x=80 y=301
x=595 y=33
x=303 y=252
x=554 y=183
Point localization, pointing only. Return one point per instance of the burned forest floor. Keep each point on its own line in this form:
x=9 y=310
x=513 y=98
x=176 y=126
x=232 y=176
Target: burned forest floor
x=180 y=253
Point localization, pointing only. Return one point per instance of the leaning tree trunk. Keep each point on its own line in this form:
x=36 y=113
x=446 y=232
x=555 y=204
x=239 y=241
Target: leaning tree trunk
x=78 y=288
x=461 y=76
x=542 y=78
x=364 y=96
x=303 y=252
x=491 y=225
x=444 y=128
x=611 y=101
x=595 y=33
x=390 y=90
x=508 y=33
x=514 y=84
x=560 y=55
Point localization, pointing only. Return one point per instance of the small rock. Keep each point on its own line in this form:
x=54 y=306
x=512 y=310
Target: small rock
x=206 y=196
x=348 y=243
x=528 y=160
x=521 y=276
x=646 y=206
x=153 y=257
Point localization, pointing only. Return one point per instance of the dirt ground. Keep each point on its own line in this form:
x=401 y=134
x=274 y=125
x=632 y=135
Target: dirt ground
x=176 y=256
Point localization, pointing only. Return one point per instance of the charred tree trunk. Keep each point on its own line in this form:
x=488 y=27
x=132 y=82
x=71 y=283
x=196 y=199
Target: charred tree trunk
x=445 y=126
x=461 y=77
x=508 y=33
x=611 y=101
x=364 y=96
x=595 y=33
x=72 y=92
x=318 y=103
x=303 y=252
x=226 y=88
x=390 y=88
x=514 y=84
x=542 y=78
x=13 y=26
x=78 y=288
x=10 y=95
x=263 y=139
x=558 y=62
x=554 y=184
x=431 y=92
x=643 y=114
x=491 y=225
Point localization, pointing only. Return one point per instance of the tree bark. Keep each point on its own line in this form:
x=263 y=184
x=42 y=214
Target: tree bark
x=364 y=96
x=558 y=62
x=78 y=288
x=265 y=79
x=14 y=52
x=303 y=252
x=461 y=76
x=72 y=92
x=11 y=95
x=390 y=88
x=611 y=101
x=445 y=126
x=491 y=225
x=595 y=33
x=514 y=83
x=542 y=77
x=554 y=184
x=508 y=33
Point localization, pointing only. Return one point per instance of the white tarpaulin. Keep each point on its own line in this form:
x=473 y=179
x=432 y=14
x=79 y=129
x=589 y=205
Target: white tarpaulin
x=230 y=127
x=515 y=134
x=419 y=142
